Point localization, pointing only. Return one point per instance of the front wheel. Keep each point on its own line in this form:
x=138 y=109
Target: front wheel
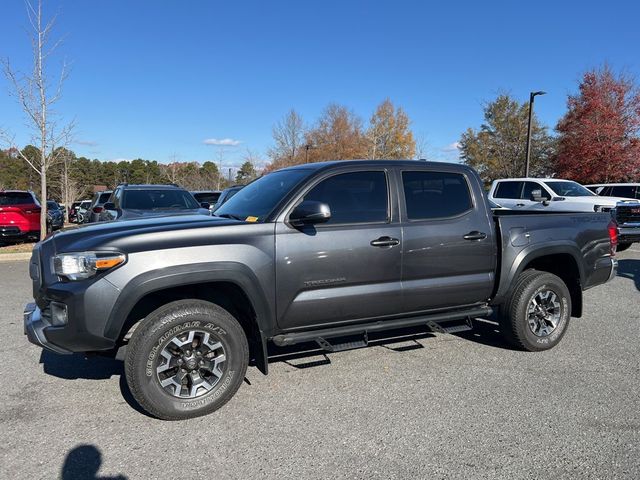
x=186 y=359
x=537 y=316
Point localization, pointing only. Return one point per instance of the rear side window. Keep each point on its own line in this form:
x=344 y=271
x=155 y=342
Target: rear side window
x=358 y=197
x=16 y=198
x=508 y=190
x=430 y=195
x=626 y=191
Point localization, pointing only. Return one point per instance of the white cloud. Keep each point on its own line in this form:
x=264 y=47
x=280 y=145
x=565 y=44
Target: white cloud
x=452 y=147
x=87 y=143
x=224 y=142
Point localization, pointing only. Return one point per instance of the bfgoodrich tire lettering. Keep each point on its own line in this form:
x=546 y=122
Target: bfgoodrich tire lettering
x=174 y=324
x=537 y=316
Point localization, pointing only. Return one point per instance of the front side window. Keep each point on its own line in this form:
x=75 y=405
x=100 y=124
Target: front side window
x=567 y=188
x=529 y=187
x=508 y=190
x=357 y=197
x=432 y=195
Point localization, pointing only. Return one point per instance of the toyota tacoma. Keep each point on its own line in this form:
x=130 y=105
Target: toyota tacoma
x=312 y=253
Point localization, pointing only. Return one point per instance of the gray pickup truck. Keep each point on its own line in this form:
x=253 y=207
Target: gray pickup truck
x=318 y=252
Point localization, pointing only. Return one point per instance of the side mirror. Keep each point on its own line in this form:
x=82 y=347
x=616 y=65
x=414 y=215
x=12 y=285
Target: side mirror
x=109 y=206
x=205 y=205
x=536 y=196
x=310 y=212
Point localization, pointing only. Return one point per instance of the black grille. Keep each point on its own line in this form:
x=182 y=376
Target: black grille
x=9 y=231
x=628 y=214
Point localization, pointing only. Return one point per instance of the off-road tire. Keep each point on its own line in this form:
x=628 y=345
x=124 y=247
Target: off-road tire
x=156 y=331
x=514 y=318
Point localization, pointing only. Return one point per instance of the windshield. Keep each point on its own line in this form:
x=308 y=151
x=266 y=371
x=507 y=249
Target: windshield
x=257 y=200
x=160 y=199
x=52 y=205
x=565 y=188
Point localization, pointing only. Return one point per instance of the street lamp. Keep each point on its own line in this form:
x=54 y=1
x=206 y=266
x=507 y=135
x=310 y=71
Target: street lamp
x=532 y=96
x=306 y=152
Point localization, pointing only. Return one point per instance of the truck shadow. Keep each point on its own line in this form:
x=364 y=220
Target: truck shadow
x=77 y=366
x=630 y=268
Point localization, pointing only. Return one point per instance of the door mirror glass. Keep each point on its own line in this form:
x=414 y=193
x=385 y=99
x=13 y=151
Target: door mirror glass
x=109 y=206
x=205 y=205
x=310 y=212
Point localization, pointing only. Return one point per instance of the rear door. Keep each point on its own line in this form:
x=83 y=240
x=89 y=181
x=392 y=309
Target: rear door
x=348 y=268
x=508 y=193
x=448 y=245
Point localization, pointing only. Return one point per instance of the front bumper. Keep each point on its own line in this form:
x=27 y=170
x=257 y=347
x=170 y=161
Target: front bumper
x=35 y=326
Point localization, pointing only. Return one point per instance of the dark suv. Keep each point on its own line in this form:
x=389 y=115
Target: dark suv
x=135 y=201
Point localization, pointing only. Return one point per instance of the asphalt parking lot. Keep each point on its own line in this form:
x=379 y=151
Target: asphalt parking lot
x=422 y=406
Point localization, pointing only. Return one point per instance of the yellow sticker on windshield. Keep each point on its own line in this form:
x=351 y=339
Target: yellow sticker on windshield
x=251 y=219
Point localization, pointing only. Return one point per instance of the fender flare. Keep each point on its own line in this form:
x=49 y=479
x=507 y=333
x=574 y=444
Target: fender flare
x=195 y=273
x=532 y=252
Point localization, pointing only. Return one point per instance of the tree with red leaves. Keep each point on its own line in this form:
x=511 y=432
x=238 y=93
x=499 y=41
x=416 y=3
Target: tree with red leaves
x=599 y=135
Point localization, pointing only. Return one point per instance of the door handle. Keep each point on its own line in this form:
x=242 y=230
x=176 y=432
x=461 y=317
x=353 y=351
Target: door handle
x=385 y=242
x=475 y=235
x=519 y=204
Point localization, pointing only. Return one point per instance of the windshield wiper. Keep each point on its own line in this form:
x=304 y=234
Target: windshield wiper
x=231 y=216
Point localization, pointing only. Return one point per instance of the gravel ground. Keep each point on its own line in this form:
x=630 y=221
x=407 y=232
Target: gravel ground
x=427 y=406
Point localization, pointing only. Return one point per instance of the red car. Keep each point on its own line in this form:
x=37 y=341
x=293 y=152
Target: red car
x=19 y=215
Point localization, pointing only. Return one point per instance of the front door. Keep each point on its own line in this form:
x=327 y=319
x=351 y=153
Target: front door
x=348 y=268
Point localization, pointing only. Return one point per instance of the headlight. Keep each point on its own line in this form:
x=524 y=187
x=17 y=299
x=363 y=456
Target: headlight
x=78 y=266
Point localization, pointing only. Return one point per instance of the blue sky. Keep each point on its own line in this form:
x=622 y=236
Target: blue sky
x=154 y=79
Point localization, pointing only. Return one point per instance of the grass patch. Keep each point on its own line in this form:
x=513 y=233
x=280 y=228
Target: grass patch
x=16 y=248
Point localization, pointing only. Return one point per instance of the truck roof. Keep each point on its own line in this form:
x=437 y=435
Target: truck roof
x=389 y=163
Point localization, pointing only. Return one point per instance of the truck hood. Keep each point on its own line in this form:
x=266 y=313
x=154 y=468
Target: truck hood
x=605 y=201
x=140 y=234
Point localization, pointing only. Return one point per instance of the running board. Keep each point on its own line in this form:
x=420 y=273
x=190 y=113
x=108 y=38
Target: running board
x=432 y=321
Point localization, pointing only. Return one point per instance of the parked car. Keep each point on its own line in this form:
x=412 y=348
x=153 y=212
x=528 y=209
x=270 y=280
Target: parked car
x=316 y=252
x=627 y=215
x=625 y=190
x=207 y=196
x=135 y=201
x=97 y=203
x=226 y=194
x=19 y=215
x=555 y=195
x=72 y=214
x=55 y=216
x=82 y=213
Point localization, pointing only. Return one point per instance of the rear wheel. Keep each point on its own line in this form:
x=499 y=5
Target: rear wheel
x=186 y=359
x=537 y=316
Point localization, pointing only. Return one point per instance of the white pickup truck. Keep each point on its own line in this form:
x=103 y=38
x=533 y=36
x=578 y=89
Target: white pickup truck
x=552 y=194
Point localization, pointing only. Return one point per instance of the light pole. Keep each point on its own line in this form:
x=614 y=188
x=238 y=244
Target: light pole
x=306 y=152
x=532 y=96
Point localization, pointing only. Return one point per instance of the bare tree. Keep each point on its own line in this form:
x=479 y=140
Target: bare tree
x=37 y=96
x=288 y=135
